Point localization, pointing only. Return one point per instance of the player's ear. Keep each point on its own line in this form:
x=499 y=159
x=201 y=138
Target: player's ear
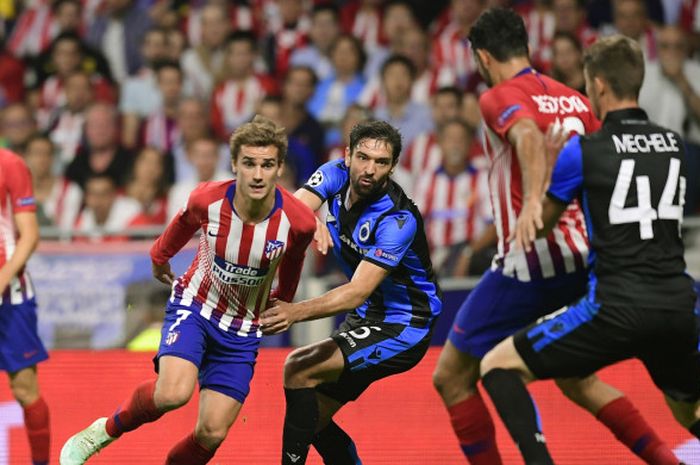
x=347 y=156
x=599 y=85
x=484 y=56
x=233 y=166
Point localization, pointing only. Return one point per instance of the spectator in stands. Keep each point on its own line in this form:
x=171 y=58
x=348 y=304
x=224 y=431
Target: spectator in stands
x=11 y=77
x=102 y=154
x=147 y=184
x=450 y=47
x=65 y=124
x=236 y=98
x=282 y=39
x=569 y=17
x=670 y=95
x=203 y=64
x=140 y=95
x=106 y=214
x=306 y=135
x=334 y=94
x=240 y=16
x=324 y=30
x=204 y=157
x=192 y=125
x=271 y=107
x=355 y=114
x=630 y=19
x=567 y=61
x=119 y=30
x=423 y=155
x=58 y=200
x=67 y=15
x=454 y=202
x=363 y=19
x=17 y=125
x=414 y=44
x=398 y=18
x=175 y=46
x=411 y=118
x=160 y=129
x=68 y=56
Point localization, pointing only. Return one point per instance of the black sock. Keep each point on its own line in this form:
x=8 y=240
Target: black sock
x=695 y=429
x=299 y=425
x=335 y=446
x=517 y=411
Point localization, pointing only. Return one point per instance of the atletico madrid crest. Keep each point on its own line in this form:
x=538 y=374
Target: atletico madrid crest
x=273 y=249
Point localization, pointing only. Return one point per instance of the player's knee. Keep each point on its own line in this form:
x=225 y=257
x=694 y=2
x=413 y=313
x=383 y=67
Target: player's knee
x=170 y=397
x=452 y=385
x=294 y=369
x=25 y=394
x=209 y=435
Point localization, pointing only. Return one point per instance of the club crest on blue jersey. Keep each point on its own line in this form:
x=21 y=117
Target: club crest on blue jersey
x=172 y=338
x=273 y=249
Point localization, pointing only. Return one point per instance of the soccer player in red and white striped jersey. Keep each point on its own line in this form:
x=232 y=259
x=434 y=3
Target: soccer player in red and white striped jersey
x=524 y=283
x=251 y=229
x=20 y=345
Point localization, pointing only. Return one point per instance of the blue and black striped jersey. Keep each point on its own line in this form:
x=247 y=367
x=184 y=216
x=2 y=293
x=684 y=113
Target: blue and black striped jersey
x=386 y=230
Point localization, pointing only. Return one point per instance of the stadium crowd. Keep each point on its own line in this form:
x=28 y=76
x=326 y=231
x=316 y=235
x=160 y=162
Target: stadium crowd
x=120 y=107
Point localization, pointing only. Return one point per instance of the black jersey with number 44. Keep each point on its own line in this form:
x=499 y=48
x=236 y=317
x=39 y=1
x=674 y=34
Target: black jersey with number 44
x=630 y=178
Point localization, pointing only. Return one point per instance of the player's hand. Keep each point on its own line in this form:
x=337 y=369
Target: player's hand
x=163 y=273
x=322 y=237
x=277 y=319
x=554 y=141
x=527 y=225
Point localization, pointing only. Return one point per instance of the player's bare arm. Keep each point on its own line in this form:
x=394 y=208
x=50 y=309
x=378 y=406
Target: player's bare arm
x=554 y=141
x=341 y=299
x=28 y=230
x=529 y=144
x=322 y=237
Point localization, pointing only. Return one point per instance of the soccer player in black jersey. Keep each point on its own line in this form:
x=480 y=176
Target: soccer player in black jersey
x=629 y=177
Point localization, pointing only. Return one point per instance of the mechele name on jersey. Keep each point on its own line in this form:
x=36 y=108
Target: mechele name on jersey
x=232 y=273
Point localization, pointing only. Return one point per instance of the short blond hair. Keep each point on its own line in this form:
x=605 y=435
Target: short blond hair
x=260 y=132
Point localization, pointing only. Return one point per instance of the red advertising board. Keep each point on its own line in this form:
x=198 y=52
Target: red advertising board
x=399 y=420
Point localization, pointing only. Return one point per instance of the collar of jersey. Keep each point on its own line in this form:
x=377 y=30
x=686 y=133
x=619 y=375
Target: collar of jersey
x=231 y=191
x=524 y=71
x=619 y=116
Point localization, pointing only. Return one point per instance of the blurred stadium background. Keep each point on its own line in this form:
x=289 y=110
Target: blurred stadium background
x=120 y=107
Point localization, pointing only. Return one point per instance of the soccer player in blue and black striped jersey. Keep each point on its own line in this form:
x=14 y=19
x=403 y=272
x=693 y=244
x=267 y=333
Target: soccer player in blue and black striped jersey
x=392 y=298
x=630 y=179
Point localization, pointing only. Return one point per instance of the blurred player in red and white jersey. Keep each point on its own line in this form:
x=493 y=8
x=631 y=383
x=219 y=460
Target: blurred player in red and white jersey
x=20 y=346
x=250 y=229
x=525 y=284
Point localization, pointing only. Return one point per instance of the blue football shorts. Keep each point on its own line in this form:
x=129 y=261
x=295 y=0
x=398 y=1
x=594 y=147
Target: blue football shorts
x=500 y=305
x=20 y=346
x=225 y=360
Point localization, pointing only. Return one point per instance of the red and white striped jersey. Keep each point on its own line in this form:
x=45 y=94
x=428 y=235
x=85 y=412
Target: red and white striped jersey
x=63 y=204
x=16 y=196
x=455 y=209
x=33 y=31
x=363 y=23
x=160 y=131
x=232 y=273
x=452 y=49
x=423 y=155
x=530 y=95
x=234 y=103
